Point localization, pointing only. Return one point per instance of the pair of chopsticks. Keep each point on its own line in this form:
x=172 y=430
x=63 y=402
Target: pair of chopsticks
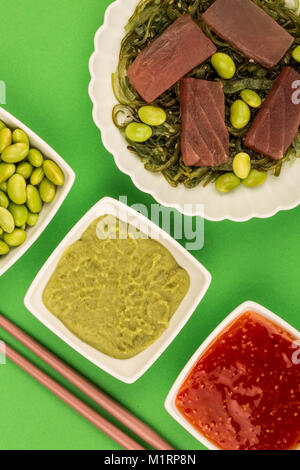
x=115 y=409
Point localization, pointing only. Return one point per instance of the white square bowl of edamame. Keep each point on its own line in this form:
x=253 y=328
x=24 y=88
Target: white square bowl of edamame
x=237 y=373
x=263 y=201
x=126 y=370
x=49 y=209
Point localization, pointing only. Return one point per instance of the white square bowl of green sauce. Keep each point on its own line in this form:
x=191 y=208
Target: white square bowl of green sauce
x=125 y=370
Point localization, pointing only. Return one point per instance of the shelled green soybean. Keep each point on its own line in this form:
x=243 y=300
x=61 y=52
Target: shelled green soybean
x=27 y=181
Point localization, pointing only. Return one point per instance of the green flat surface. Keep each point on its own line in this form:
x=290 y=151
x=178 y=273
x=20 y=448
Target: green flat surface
x=45 y=48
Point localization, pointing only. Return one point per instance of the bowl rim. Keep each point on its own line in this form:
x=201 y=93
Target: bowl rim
x=254 y=210
x=72 y=340
x=70 y=176
x=170 y=399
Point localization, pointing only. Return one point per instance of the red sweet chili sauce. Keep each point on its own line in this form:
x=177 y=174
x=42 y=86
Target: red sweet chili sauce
x=244 y=392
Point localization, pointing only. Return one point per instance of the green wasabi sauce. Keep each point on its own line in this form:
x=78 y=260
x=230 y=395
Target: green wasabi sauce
x=116 y=293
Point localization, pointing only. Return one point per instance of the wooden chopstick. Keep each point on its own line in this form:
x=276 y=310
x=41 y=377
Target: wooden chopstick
x=101 y=423
x=107 y=403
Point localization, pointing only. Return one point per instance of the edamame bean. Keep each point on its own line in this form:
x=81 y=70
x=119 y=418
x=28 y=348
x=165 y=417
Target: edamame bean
x=242 y=165
x=251 y=98
x=24 y=169
x=152 y=115
x=239 y=114
x=32 y=219
x=53 y=173
x=138 y=132
x=227 y=182
x=37 y=176
x=7 y=222
x=4 y=202
x=3 y=187
x=35 y=158
x=255 y=178
x=2 y=125
x=15 y=153
x=296 y=54
x=224 y=65
x=5 y=138
x=15 y=238
x=19 y=213
x=6 y=171
x=16 y=189
x=20 y=136
x=4 y=248
x=34 y=202
x=47 y=190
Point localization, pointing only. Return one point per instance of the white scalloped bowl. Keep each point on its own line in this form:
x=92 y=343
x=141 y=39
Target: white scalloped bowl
x=276 y=194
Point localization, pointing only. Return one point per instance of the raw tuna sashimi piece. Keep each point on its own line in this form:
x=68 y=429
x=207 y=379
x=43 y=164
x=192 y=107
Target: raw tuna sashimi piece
x=204 y=137
x=277 y=122
x=172 y=55
x=249 y=29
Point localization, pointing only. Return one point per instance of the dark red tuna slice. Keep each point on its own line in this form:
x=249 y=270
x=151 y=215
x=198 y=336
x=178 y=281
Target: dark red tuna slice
x=204 y=137
x=249 y=29
x=172 y=55
x=277 y=122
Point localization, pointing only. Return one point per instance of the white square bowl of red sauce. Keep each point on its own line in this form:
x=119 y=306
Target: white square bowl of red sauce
x=241 y=388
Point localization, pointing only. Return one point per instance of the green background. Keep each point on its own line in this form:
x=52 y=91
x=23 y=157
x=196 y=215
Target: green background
x=45 y=48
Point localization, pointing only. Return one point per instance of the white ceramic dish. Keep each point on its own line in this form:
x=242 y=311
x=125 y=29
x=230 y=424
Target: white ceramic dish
x=243 y=204
x=131 y=369
x=170 y=400
x=49 y=210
